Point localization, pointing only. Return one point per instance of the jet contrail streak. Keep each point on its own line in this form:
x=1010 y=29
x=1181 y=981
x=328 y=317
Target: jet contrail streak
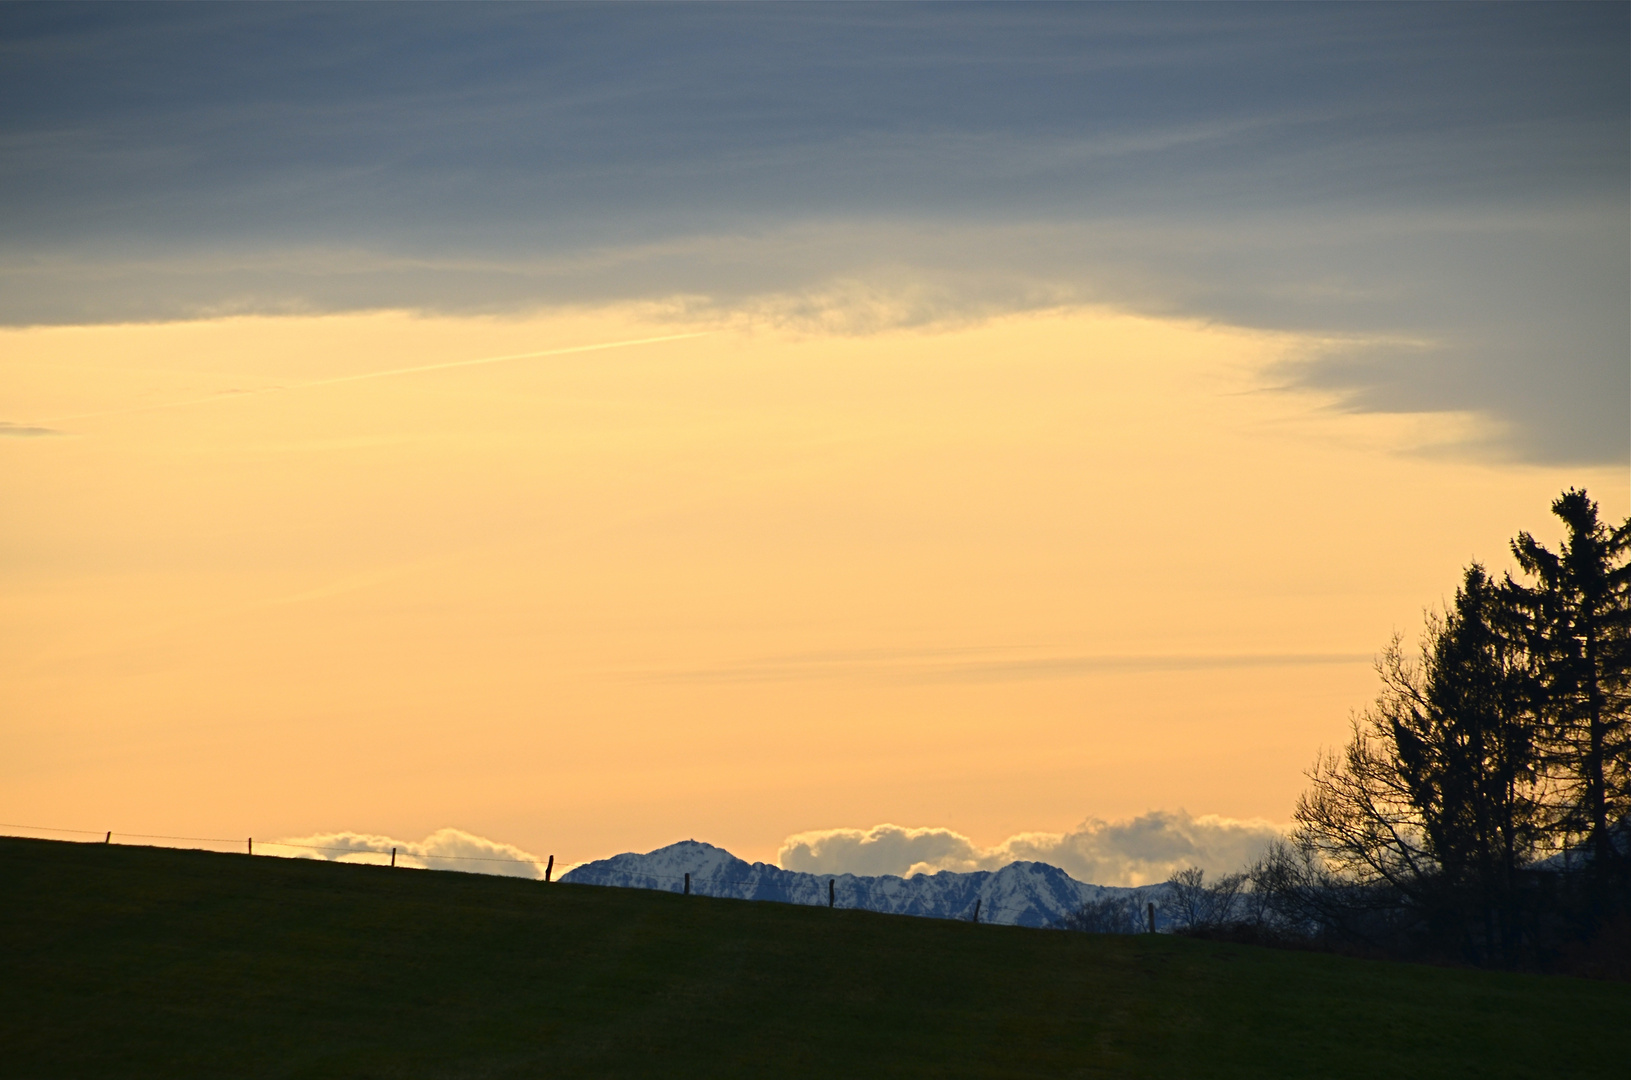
x=385 y=374
x=501 y=359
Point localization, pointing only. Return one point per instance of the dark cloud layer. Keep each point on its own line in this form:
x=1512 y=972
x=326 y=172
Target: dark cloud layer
x=1444 y=186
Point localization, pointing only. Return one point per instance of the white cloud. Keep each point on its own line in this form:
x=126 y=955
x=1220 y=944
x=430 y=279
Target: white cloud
x=444 y=849
x=1132 y=851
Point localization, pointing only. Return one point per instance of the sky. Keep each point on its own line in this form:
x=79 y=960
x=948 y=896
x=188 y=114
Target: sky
x=862 y=437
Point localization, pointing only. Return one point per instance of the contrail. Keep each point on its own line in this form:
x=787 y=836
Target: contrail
x=385 y=374
x=501 y=359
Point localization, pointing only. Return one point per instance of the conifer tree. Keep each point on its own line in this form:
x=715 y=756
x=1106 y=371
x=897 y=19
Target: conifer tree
x=1466 y=750
x=1579 y=611
x=1437 y=796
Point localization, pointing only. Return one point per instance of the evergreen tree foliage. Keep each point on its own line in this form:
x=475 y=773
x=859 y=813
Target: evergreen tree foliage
x=1465 y=745
x=1438 y=795
x=1579 y=616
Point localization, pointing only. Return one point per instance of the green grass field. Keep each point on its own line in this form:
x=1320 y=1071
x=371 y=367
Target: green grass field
x=132 y=962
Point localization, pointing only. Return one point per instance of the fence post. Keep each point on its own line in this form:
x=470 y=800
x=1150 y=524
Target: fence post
x=550 y=869
x=976 y=910
x=393 y=856
x=108 y=839
x=831 y=893
x=251 y=842
x=1152 y=916
x=687 y=884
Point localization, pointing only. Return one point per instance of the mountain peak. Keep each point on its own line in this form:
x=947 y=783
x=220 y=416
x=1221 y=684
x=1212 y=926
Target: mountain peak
x=1019 y=894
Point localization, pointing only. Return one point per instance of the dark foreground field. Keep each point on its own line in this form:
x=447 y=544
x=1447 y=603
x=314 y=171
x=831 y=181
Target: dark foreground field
x=124 y=962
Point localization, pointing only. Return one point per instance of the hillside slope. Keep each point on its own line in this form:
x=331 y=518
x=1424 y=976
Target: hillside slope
x=141 y=962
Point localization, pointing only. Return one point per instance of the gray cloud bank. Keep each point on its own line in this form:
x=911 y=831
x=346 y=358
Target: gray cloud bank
x=1439 y=189
x=1134 y=851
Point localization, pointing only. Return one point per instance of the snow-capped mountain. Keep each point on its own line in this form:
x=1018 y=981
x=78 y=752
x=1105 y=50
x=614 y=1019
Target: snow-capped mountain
x=1020 y=894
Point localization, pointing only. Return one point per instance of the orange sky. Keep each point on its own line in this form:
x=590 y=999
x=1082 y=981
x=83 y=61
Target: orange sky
x=993 y=577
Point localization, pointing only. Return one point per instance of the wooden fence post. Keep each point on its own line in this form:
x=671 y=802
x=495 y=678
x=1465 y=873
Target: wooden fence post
x=251 y=843
x=550 y=869
x=687 y=884
x=393 y=856
x=976 y=910
x=1152 y=916
x=832 y=895
x=108 y=839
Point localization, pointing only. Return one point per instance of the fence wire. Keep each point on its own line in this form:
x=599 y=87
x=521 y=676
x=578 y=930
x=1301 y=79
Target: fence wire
x=276 y=843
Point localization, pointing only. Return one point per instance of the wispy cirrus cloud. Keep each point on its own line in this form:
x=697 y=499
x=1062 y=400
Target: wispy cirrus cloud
x=981 y=664
x=26 y=431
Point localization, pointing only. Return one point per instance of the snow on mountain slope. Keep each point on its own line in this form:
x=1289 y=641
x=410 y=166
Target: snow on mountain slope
x=1020 y=894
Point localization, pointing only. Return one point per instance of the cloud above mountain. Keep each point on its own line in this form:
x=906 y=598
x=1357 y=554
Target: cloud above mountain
x=1140 y=850
x=1130 y=851
x=444 y=849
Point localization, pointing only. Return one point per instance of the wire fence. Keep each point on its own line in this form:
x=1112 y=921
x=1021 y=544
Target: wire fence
x=977 y=908
x=249 y=843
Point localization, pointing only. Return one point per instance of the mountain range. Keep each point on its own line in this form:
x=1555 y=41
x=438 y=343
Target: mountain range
x=1020 y=894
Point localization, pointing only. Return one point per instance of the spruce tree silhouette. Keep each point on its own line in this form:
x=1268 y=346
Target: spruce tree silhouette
x=1579 y=611
x=1438 y=795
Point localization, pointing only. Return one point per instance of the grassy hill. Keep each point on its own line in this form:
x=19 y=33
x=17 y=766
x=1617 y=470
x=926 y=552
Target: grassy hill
x=143 y=962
